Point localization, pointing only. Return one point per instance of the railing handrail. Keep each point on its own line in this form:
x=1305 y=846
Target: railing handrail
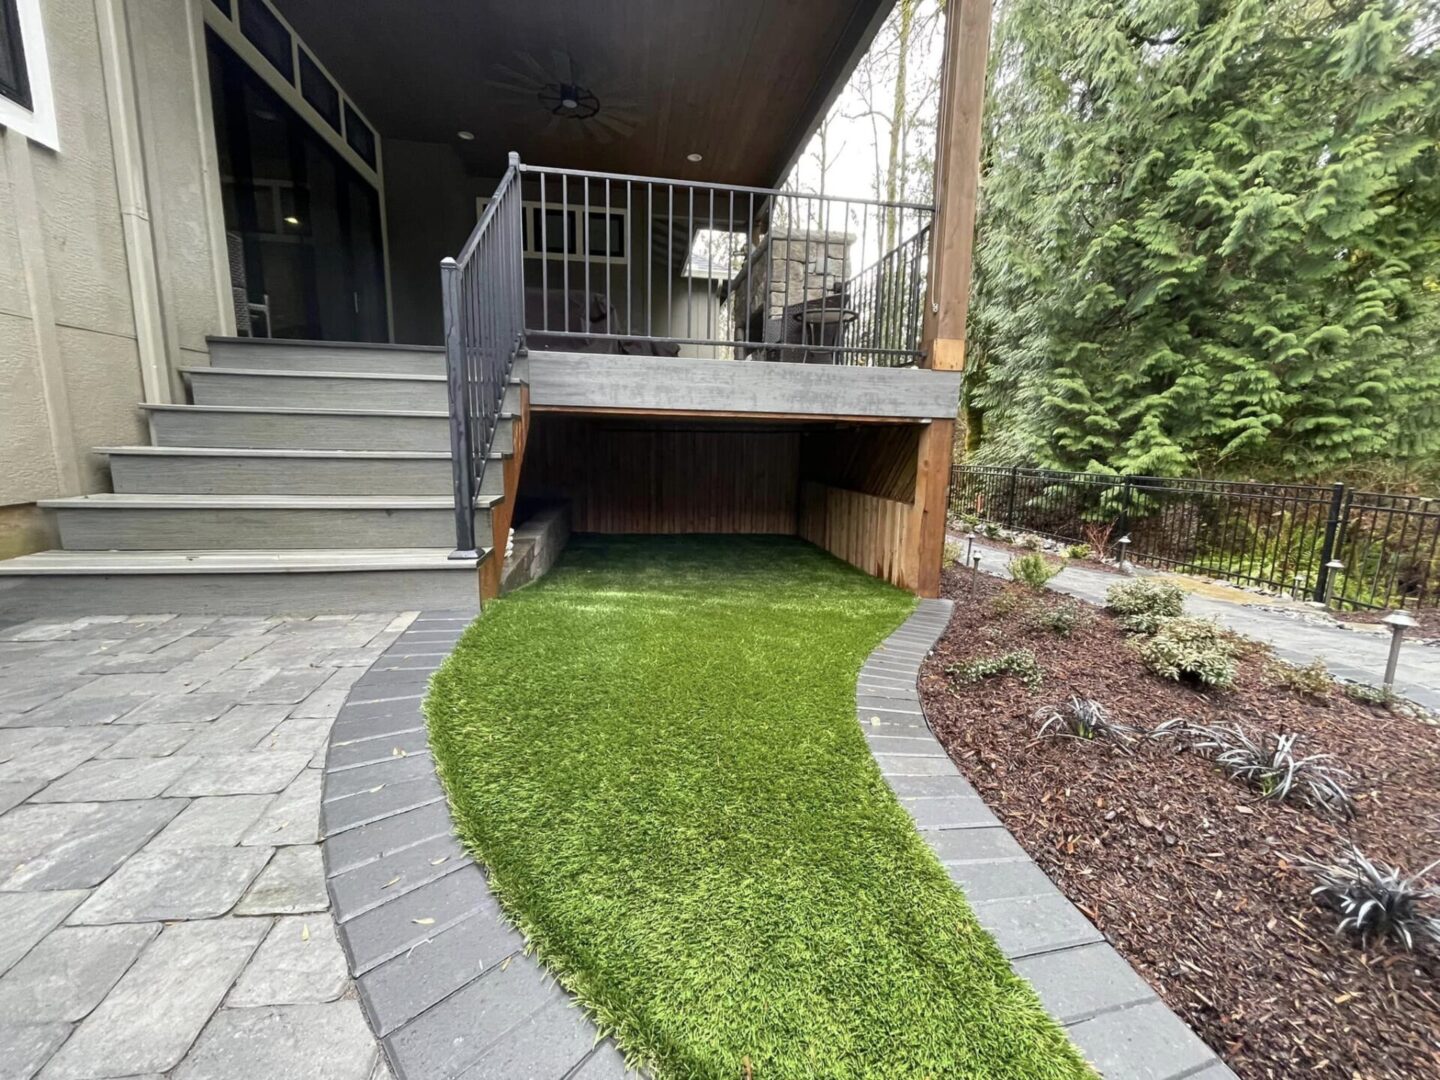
x=473 y=240
x=709 y=185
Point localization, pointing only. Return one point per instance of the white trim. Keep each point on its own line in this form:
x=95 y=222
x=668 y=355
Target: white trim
x=210 y=188
x=36 y=123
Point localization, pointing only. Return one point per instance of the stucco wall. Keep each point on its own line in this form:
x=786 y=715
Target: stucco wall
x=70 y=352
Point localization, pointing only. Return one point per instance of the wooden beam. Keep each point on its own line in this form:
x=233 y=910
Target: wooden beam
x=926 y=533
x=717 y=414
x=957 y=180
x=493 y=568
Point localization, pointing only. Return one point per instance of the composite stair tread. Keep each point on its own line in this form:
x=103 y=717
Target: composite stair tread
x=291 y=343
x=282 y=410
x=293 y=373
x=282 y=452
x=236 y=561
x=110 y=501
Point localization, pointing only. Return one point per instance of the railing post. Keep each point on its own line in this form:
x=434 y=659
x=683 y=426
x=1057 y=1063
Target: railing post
x=1010 y=499
x=1327 y=546
x=461 y=460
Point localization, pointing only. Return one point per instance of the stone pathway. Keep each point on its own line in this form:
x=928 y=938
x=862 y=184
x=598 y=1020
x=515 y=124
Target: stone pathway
x=1297 y=632
x=161 y=881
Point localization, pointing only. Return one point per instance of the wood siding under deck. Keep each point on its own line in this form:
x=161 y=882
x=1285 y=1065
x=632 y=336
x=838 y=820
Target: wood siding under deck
x=649 y=476
x=865 y=492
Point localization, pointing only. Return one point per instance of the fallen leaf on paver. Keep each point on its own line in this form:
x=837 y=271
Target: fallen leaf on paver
x=423 y=922
x=506 y=963
x=441 y=859
x=305 y=932
x=397 y=752
x=377 y=787
x=392 y=881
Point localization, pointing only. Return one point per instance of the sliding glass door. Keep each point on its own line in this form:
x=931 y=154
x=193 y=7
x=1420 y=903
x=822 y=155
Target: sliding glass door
x=303 y=227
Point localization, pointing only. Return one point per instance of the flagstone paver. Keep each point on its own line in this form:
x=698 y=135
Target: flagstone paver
x=162 y=892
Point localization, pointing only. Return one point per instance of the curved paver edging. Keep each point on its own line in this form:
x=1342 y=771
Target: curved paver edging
x=1111 y=1013
x=441 y=974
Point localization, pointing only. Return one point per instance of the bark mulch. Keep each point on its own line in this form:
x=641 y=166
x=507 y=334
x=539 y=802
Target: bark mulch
x=1188 y=873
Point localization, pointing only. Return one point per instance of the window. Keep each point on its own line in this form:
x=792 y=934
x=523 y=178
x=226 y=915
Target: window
x=26 y=104
x=268 y=34
x=359 y=136
x=558 y=232
x=14 y=79
x=319 y=91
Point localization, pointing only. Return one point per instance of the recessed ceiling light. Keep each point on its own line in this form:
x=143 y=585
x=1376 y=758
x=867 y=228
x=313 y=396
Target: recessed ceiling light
x=465 y=136
x=694 y=157
x=292 y=220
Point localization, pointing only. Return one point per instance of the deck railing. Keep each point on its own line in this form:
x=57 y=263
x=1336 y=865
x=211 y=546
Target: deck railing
x=638 y=264
x=604 y=262
x=483 y=291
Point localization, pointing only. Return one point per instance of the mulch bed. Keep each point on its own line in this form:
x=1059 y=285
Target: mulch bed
x=957 y=535
x=1185 y=871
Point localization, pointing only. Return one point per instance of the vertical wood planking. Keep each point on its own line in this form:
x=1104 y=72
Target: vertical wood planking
x=867 y=531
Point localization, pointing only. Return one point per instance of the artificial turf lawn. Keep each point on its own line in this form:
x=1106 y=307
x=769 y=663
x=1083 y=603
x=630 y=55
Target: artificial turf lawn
x=654 y=752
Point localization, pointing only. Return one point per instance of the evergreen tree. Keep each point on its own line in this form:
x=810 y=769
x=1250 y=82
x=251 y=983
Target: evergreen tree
x=1210 y=236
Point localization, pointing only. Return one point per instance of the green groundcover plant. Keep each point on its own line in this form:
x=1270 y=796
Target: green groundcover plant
x=654 y=752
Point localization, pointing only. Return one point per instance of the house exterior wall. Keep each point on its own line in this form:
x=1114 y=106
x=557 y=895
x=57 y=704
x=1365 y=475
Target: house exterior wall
x=107 y=264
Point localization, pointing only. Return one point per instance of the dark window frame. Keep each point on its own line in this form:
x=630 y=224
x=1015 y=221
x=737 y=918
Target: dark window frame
x=318 y=90
x=263 y=30
x=360 y=136
x=14 y=44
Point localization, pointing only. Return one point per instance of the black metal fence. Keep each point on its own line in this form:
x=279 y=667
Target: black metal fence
x=1351 y=548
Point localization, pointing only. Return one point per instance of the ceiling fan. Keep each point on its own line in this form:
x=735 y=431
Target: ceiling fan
x=579 y=103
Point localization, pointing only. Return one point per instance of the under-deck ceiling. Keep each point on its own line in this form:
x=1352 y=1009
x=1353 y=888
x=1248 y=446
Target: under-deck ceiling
x=741 y=83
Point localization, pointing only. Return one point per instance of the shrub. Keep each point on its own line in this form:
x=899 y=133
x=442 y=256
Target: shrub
x=969 y=520
x=1080 y=718
x=1185 y=648
x=1366 y=694
x=951 y=555
x=1077 y=551
x=1313 y=680
x=1062 y=619
x=1021 y=664
x=1144 y=605
x=1375 y=900
x=1030 y=542
x=1009 y=600
x=1268 y=763
x=1033 y=570
x=992 y=530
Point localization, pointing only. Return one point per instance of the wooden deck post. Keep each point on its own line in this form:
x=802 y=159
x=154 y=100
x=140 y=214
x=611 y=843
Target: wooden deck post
x=926 y=533
x=957 y=180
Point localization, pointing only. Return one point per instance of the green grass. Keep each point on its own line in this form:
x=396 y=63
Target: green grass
x=654 y=752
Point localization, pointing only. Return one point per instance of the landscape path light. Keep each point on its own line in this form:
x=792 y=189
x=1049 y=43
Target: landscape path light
x=974 y=571
x=1124 y=544
x=1333 y=568
x=1399 y=622
x=969 y=544
x=1298 y=589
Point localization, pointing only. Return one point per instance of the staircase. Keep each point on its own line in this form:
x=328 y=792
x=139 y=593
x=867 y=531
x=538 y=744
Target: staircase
x=304 y=477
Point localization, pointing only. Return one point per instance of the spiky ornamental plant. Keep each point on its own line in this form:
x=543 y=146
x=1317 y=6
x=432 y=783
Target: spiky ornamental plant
x=1206 y=237
x=1269 y=764
x=1374 y=900
x=1081 y=718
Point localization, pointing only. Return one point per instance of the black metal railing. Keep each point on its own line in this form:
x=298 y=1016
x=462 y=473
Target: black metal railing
x=635 y=264
x=1347 y=548
x=482 y=289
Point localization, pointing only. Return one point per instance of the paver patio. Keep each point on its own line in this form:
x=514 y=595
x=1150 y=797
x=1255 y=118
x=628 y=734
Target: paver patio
x=161 y=881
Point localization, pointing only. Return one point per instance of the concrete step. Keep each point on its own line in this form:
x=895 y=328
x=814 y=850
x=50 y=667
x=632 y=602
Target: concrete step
x=274 y=354
x=202 y=470
x=247 y=427
x=222 y=522
x=321 y=389
x=239 y=582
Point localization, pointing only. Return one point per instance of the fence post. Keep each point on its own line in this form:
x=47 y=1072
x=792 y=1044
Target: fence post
x=1123 y=525
x=1327 y=546
x=461 y=461
x=1010 y=499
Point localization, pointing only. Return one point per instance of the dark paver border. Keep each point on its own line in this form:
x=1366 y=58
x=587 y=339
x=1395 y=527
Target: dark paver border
x=1109 y=1011
x=442 y=976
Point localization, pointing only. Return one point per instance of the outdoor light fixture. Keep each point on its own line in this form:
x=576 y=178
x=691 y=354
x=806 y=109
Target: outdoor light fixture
x=694 y=157
x=969 y=544
x=1399 y=622
x=569 y=100
x=465 y=136
x=974 y=571
x=1334 y=566
x=1298 y=588
x=292 y=220
x=1124 y=544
